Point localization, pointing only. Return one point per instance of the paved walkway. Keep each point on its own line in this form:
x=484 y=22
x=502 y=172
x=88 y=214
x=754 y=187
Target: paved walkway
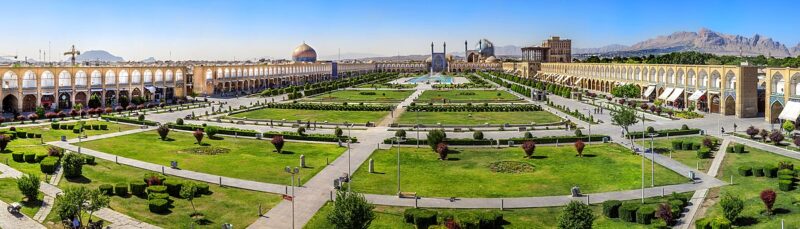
x=8 y=220
x=700 y=195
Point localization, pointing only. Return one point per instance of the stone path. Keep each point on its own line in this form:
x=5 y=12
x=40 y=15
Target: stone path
x=8 y=220
x=700 y=195
x=400 y=108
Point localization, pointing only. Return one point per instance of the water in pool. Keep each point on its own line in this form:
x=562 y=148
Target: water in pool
x=438 y=78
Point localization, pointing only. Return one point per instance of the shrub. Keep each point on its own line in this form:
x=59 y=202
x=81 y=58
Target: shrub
x=48 y=165
x=665 y=213
x=153 y=178
x=435 y=137
x=704 y=153
x=611 y=208
x=578 y=133
x=18 y=156
x=140 y=118
x=745 y=171
x=278 y=142
x=339 y=132
x=490 y=219
x=529 y=147
x=30 y=157
x=787 y=172
x=157 y=189
x=758 y=171
x=158 y=205
x=704 y=223
x=776 y=137
x=422 y=218
x=4 y=139
x=138 y=188
x=687 y=145
x=467 y=220
x=211 y=131
x=198 y=136
x=785 y=185
x=106 y=189
x=707 y=142
x=528 y=134
x=442 y=150
x=676 y=145
x=644 y=215
x=650 y=129
x=163 y=130
x=179 y=121
x=173 y=187
x=768 y=198
x=89 y=159
x=720 y=223
x=770 y=171
x=73 y=165
x=54 y=151
x=40 y=156
x=684 y=127
x=731 y=207
x=627 y=212
x=400 y=133
x=738 y=148
x=477 y=135
x=576 y=215
x=579 y=146
x=301 y=131
x=202 y=189
x=28 y=185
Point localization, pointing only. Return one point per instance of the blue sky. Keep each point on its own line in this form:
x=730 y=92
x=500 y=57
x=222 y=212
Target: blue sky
x=249 y=29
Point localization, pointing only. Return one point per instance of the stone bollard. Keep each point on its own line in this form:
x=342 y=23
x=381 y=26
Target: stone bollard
x=371 y=165
x=302 y=161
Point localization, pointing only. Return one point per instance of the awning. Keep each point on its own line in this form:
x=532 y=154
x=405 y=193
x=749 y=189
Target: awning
x=666 y=93
x=47 y=93
x=151 y=89
x=565 y=79
x=696 y=95
x=578 y=82
x=649 y=91
x=791 y=111
x=675 y=95
x=96 y=89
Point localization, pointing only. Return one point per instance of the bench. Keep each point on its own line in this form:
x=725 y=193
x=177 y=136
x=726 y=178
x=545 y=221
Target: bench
x=407 y=195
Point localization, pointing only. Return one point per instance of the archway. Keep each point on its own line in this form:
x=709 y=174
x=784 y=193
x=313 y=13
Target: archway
x=29 y=103
x=775 y=110
x=47 y=101
x=136 y=93
x=80 y=98
x=730 y=106
x=715 y=103
x=111 y=98
x=64 y=101
x=10 y=104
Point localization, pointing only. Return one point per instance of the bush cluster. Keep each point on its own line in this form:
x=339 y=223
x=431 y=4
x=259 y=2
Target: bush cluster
x=330 y=107
x=471 y=108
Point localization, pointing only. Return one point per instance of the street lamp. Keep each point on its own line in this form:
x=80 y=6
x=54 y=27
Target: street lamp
x=652 y=161
x=293 y=172
x=398 y=140
x=590 y=125
x=349 y=169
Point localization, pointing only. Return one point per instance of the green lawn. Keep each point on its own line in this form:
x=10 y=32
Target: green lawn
x=392 y=217
x=604 y=167
x=246 y=159
x=687 y=157
x=467 y=96
x=355 y=96
x=224 y=205
x=749 y=188
x=314 y=115
x=49 y=135
x=478 y=118
x=387 y=85
x=9 y=193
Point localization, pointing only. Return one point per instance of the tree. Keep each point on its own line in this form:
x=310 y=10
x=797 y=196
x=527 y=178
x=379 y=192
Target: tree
x=188 y=191
x=435 y=137
x=4 y=140
x=579 y=147
x=528 y=135
x=477 y=135
x=96 y=200
x=278 y=142
x=529 y=147
x=338 y=132
x=752 y=131
x=211 y=131
x=123 y=101
x=768 y=197
x=624 y=118
x=301 y=131
x=731 y=207
x=576 y=215
x=788 y=126
x=29 y=186
x=351 y=211
x=626 y=91
x=198 y=135
x=442 y=150
x=163 y=130
x=776 y=137
x=70 y=205
x=73 y=165
x=664 y=212
x=400 y=133
x=94 y=101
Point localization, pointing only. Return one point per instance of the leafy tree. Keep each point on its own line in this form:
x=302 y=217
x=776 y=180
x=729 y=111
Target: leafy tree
x=664 y=212
x=776 y=137
x=576 y=215
x=301 y=131
x=198 y=135
x=4 y=140
x=752 y=131
x=528 y=134
x=29 y=186
x=211 y=131
x=768 y=197
x=96 y=200
x=163 y=130
x=788 y=126
x=731 y=207
x=477 y=135
x=338 y=132
x=94 y=101
x=351 y=211
x=40 y=111
x=278 y=142
x=188 y=191
x=123 y=101
x=70 y=205
x=400 y=133
x=626 y=91
x=624 y=118
x=73 y=165
x=442 y=150
x=529 y=147
x=435 y=137
x=579 y=147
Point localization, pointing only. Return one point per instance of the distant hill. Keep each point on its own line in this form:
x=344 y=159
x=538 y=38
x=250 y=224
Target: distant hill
x=348 y=56
x=149 y=60
x=97 y=55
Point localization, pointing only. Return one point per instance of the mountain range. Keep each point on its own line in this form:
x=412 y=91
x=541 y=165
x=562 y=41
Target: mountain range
x=704 y=40
x=97 y=55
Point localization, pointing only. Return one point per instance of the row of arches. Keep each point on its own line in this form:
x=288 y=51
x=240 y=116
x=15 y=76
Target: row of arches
x=30 y=80
x=710 y=77
x=12 y=103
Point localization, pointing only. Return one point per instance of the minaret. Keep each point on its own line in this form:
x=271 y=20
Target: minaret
x=445 y=50
x=431 y=48
x=465 y=51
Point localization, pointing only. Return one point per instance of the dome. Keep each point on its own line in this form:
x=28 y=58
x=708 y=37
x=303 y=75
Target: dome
x=304 y=53
x=491 y=59
x=429 y=59
x=485 y=47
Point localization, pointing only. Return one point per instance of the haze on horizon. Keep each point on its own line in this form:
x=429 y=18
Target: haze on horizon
x=227 y=30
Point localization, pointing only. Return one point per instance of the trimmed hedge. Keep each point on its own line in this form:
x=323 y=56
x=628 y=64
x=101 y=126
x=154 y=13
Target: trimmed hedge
x=467 y=220
x=173 y=187
x=157 y=189
x=785 y=172
x=758 y=171
x=644 y=215
x=704 y=153
x=18 y=156
x=677 y=145
x=151 y=196
x=158 y=205
x=664 y=133
x=704 y=223
x=138 y=188
x=202 y=188
x=106 y=189
x=627 y=212
x=471 y=108
x=40 y=156
x=738 y=148
x=128 y=120
x=332 y=107
x=686 y=146
x=30 y=157
x=89 y=159
x=48 y=165
x=745 y=171
x=220 y=130
x=611 y=208
x=720 y=223
x=771 y=171
x=422 y=218
x=308 y=137
x=785 y=185
x=121 y=189
x=470 y=141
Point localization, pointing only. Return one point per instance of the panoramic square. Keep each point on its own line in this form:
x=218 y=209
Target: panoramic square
x=399 y=114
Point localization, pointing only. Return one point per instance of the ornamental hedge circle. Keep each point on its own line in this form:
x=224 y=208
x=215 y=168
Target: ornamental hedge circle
x=202 y=189
x=758 y=171
x=106 y=189
x=48 y=165
x=30 y=157
x=18 y=156
x=157 y=189
x=158 y=205
x=121 y=189
x=611 y=208
x=771 y=171
x=745 y=171
x=645 y=214
x=627 y=212
x=138 y=188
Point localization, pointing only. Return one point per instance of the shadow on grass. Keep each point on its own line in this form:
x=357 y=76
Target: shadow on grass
x=453 y=159
x=216 y=138
x=538 y=157
x=286 y=152
x=80 y=180
x=745 y=221
x=203 y=144
x=589 y=155
x=781 y=211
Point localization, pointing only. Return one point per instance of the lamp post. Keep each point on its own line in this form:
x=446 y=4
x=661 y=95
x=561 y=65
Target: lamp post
x=349 y=169
x=652 y=161
x=398 y=140
x=293 y=172
x=642 y=174
x=590 y=125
